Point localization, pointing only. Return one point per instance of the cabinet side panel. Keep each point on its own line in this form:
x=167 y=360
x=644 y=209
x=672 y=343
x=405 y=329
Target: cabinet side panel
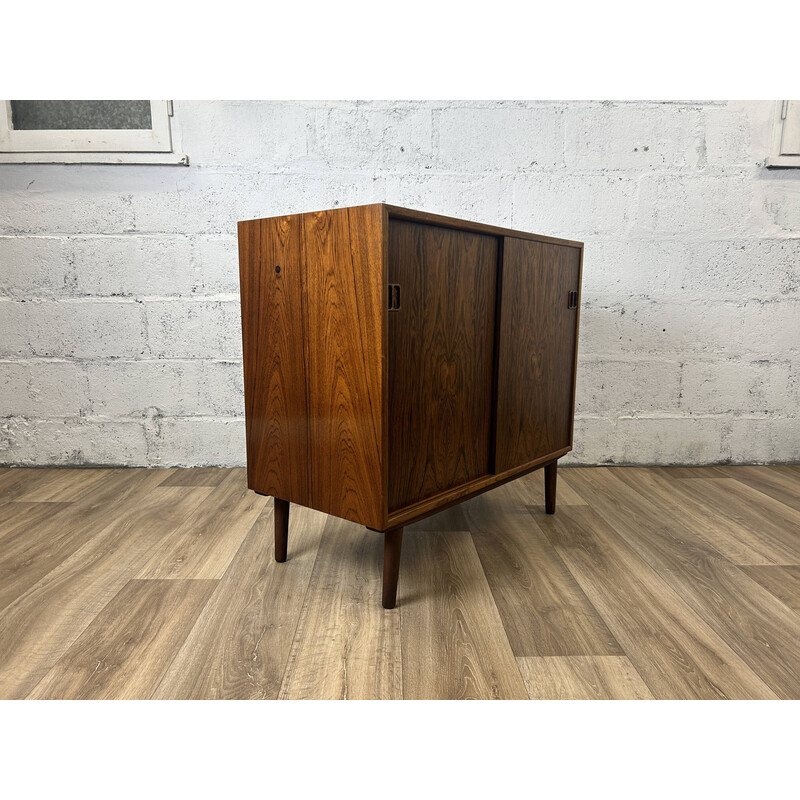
x=440 y=359
x=276 y=406
x=343 y=260
x=536 y=351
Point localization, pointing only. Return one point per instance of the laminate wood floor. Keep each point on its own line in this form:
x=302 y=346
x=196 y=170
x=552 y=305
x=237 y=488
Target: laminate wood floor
x=647 y=583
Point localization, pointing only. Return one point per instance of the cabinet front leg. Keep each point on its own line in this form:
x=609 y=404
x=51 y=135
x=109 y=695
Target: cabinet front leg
x=550 y=474
x=392 y=544
x=281 y=528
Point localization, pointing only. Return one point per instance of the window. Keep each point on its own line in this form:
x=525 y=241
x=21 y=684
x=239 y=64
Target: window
x=785 y=150
x=87 y=132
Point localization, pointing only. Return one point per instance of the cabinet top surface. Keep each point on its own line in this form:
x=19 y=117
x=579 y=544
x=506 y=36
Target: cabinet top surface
x=397 y=212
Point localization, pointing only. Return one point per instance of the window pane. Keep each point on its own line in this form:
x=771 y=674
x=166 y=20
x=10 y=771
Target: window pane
x=61 y=115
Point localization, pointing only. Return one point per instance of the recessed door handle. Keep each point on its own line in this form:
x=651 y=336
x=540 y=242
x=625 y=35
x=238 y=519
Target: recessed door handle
x=572 y=300
x=394 y=297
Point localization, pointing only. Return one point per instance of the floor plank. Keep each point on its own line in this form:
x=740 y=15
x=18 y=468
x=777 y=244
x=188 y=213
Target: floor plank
x=204 y=546
x=24 y=553
x=529 y=489
x=582 y=678
x=544 y=611
x=451 y=519
x=780 y=484
x=675 y=583
x=17 y=516
x=683 y=473
x=761 y=524
x=31 y=552
x=66 y=486
x=43 y=622
x=677 y=653
x=128 y=646
x=17 y=482
x=197 y=476
x=760 y=630
x=454 y=646
x=346 y=644
x=679 y=509
x=781 y=582
x=683 y=508
x=239 y=647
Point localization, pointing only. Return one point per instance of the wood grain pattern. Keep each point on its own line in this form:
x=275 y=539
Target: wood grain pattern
x=731 y=539
x=750 y=527
x=440 y=359
x=43 y=622
x=544 y=611
x=20 y=517
x=761 y=631
x=775 y=482
x=536 y=349
x=65 y=485
x=274 y=331
x=582 y=678
x=18 y=482
x=684 y=473
x=688 y=620
x=343 y=252
x=197 y=476
x=675 y=651
x=27 y=546
x=30 y=551
x=451 y=519
x=313 y=336
x=326 y=379
x=127 y=648
x=346 y=646
x=239 y=647
x=206 y=542
x=454 y=646
x=697 y=520
x=781 y=582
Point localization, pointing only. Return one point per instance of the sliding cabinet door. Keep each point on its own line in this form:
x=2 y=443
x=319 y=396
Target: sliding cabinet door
x=536 y=351
x=441 y=328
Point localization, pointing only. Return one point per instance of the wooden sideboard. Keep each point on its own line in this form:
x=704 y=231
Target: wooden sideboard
x=398 y=362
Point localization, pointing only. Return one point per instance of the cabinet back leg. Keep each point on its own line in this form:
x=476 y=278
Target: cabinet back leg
x=392 y=545
x=281 y=528
x=550 y=474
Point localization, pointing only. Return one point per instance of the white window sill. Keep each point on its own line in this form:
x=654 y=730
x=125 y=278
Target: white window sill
x=783 y=161
x=168 y=159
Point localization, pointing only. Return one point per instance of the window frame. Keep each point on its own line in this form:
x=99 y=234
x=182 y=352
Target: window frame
x=92 y=146
x=786 y=118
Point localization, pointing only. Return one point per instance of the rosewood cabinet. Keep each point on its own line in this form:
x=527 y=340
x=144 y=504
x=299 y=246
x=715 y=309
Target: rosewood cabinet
x=397 y=362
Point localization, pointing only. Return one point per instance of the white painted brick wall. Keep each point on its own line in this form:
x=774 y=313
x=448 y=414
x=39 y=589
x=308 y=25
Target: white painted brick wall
x=119 y=317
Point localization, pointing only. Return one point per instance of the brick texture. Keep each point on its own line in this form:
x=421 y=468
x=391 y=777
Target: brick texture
x=119 y=314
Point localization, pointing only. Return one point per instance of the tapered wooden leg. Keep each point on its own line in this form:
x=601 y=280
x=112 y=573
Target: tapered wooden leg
x=550 y=474
x=392 y=544
x=281 y=528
